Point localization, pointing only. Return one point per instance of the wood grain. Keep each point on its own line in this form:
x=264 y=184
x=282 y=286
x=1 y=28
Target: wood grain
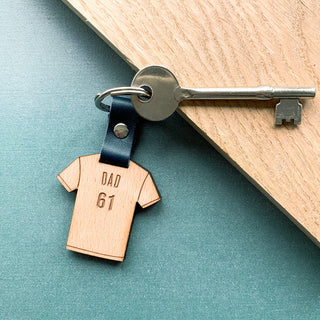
x=234 y=43
x=105 y=204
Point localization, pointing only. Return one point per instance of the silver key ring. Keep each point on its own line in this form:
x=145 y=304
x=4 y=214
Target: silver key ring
x=119 y=91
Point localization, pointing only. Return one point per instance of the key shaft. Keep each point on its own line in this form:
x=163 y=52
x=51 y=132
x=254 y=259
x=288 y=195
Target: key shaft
x=237 y=93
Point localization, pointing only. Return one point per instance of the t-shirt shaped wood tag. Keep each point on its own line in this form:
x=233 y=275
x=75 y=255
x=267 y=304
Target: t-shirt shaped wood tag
x=105 y=204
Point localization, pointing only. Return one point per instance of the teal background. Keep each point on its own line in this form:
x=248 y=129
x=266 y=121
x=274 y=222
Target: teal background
x=213 y=248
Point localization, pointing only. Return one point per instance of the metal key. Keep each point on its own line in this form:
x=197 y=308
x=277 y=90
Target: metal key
x=165 y=94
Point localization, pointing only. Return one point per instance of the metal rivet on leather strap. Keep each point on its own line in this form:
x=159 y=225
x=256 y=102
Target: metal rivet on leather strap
x=121 y=130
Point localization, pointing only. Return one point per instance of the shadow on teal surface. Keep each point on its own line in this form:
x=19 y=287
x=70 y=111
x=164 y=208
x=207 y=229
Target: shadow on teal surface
x=213 y=248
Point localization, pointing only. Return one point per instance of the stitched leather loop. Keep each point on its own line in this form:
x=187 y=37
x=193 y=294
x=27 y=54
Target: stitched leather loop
x=114 y=150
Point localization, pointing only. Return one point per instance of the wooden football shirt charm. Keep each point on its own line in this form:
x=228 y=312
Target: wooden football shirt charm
x=105 y=204
x=109 y=186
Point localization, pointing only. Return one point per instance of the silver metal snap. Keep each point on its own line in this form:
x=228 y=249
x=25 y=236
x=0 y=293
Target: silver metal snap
x=121 y=130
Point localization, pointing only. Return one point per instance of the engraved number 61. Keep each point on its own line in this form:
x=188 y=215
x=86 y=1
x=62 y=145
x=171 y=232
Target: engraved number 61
x=102 y=200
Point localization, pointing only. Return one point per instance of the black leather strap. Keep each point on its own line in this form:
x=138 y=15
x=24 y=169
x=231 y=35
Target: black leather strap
x=114 y=150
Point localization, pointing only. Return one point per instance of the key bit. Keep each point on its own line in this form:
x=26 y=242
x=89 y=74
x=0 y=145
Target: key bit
x=288 y=110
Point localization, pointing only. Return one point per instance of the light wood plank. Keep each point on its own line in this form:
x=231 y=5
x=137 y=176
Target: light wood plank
x=234 y=43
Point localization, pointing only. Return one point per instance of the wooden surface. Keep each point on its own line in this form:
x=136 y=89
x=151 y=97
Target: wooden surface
x=105 y=204
x=233 y=43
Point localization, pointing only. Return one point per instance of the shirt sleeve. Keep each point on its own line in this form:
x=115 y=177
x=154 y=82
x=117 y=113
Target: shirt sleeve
x=148 y=193
x=70 y=176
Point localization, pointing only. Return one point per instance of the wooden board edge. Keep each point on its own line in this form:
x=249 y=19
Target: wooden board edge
x=250 y=179
x=101 y=35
